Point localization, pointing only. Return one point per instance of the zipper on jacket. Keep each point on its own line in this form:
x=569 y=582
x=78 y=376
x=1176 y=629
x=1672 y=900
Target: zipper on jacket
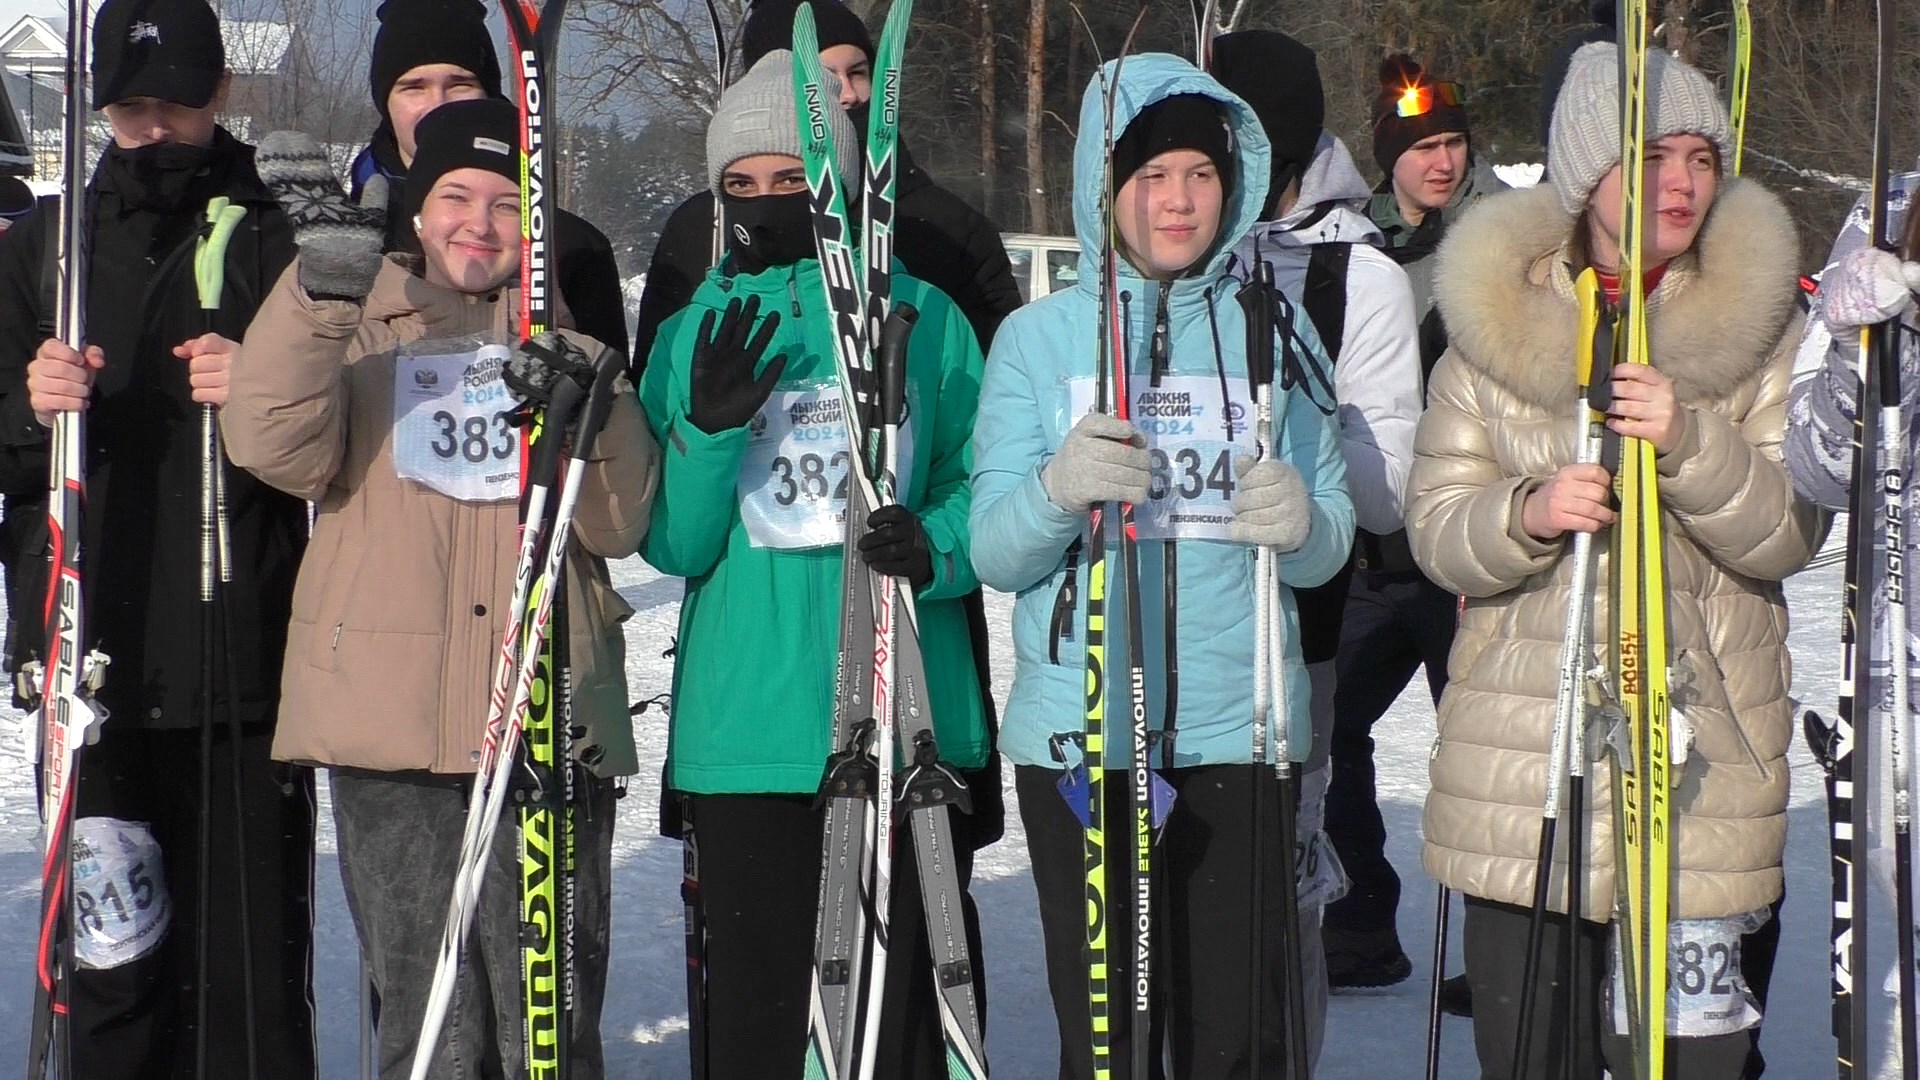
x=1160 y=348
x=793 y=293
x=1688 y=688
x=1065 y=601
x=337 y=627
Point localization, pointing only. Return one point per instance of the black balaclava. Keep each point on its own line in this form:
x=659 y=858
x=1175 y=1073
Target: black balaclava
x=164 y=177
x=768 y=230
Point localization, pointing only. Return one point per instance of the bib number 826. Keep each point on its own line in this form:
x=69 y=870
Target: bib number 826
x=470 y=439
x=808 y=476
x=1181 y=474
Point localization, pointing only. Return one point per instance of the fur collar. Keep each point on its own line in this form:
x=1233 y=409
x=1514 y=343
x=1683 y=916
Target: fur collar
x=1717 y=315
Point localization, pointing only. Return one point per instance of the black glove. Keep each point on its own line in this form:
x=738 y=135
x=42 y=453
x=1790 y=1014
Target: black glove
x=724 y=393
x=540 y=362
x=896 y=545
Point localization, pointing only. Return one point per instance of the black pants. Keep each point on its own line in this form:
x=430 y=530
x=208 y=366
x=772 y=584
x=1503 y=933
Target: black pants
x=140 y=1020
x=1495 y=940
x=1205 y=966
x=759 y=892
x=1392 y=625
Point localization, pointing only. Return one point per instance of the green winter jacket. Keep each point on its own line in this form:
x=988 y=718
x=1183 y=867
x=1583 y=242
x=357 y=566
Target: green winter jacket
x=753 y=676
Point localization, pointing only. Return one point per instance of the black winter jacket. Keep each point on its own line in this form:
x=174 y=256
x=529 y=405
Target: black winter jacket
x=141 y=538
x=584 y=266
x=940 y=239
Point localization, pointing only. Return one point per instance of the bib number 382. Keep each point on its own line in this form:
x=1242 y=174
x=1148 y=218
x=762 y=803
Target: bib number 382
x=795 y=478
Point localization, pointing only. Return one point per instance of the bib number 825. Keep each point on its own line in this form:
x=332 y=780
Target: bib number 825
x=470 y=439
x=1181 y=474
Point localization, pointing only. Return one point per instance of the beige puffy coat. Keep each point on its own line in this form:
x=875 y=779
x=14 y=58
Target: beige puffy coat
x=1500 y=422
x=401 y=601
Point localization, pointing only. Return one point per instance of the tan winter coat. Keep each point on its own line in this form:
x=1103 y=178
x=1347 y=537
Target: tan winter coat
x=1499 y=424
x=401 y=601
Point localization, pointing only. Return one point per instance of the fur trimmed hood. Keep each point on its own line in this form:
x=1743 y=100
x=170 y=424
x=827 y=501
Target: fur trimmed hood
x=1504 y=287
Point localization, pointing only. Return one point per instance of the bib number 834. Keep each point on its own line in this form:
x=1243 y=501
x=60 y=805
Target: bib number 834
x=471 y=439
x=1181 y=474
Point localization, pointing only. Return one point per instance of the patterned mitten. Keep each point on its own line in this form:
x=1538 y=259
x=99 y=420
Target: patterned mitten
x=339 y=240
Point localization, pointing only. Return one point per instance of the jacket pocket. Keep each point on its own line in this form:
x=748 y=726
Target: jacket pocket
x=337 y=587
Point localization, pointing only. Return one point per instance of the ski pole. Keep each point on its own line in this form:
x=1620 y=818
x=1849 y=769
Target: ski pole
x=1442 y=914
x=216 y=572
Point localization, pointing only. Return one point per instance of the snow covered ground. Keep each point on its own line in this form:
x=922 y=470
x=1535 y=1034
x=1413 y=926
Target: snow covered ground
x=1372 y=1035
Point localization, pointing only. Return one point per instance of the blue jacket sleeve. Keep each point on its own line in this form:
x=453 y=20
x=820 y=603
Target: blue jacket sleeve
x=1313 y=447
x=695 y=508
x=1019 y=535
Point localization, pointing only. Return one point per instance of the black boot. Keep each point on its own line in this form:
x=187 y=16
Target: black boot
x=1364 y=958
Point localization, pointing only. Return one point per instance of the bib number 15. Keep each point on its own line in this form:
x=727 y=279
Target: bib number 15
x=476 y=439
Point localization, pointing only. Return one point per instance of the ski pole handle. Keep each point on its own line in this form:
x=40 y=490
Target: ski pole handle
x=893 y=362
x=607 y=367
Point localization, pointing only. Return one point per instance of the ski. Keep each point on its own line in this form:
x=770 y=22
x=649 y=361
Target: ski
x=856 y=767
x=1877 y=496
x=69 y=716
x=545 y=834
x=1740 y=76
x=1084 y=785
x=1644 y=766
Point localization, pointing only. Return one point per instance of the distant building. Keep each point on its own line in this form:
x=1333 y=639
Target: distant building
x=275 y=85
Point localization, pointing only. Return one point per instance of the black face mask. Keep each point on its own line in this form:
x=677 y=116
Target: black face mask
x=768 y=230
x=158 y=177
x=860 y=114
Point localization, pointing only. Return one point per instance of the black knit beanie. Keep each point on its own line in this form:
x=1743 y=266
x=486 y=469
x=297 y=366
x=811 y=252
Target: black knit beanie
x=1179 y=122
x=478 y=133
x=769 y=26
x=1280 y=78
x=1400 y=76
x=414 y=33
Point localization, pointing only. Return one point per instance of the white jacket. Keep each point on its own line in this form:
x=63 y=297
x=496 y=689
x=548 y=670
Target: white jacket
x=1377 y=378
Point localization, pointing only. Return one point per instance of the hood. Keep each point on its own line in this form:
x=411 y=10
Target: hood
x=1504 y=287
x=1332 y=204
x=1146 y=78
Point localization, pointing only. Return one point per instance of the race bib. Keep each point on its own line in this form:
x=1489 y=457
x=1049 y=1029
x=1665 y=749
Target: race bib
x=1190 y=494
x=451 y=430
x=120 y=901
x=1706 y=993
x=794 y=480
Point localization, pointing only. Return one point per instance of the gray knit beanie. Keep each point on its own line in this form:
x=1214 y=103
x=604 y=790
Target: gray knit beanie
x=756 y=116
x=1584 y=143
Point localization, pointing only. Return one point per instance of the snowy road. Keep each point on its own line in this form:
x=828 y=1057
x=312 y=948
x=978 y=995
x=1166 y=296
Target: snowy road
x=1375 y=1035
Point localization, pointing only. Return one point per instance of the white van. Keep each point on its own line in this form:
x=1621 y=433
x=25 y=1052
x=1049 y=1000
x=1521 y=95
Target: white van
x=1042 y=264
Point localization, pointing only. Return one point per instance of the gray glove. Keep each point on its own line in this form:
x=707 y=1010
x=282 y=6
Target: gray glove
x=339 y=240
x=1102 y=460
x=1270 y=505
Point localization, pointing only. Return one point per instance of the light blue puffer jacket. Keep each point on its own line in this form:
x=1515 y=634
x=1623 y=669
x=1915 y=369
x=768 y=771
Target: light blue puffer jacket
x=1021 y=539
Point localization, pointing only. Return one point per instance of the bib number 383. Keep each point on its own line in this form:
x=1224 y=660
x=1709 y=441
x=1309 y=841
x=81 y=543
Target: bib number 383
x=451 y=430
